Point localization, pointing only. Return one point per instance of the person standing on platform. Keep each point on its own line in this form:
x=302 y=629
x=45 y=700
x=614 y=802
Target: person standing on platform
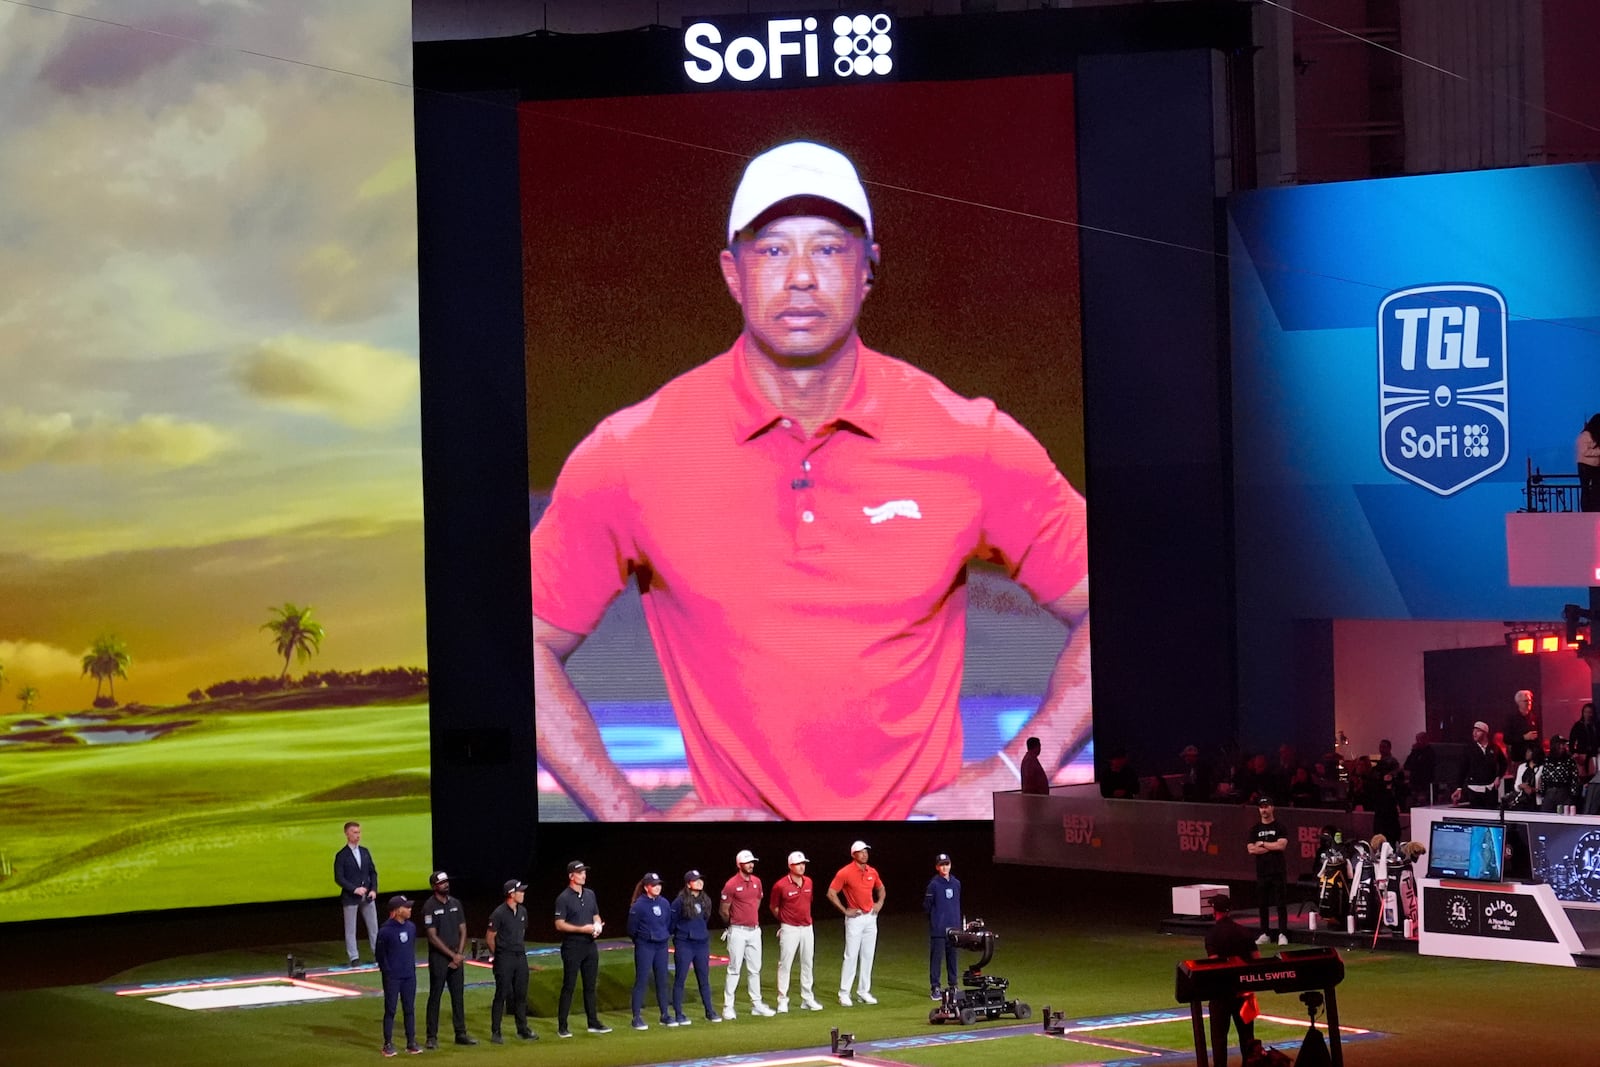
x=1418 y=770
x=650 y=926
x=1522 y=729
x=740 y=908
x=444 y=924
x=1588 y=449
x=858 y=892
x=357 y=876
x=508 y=931
x=691 y=945
x=1584 y=738
x=579 y=924
x=1225 y=940
x=395 y=949
x=1558 y=783
x=1034 y=778
x=942 y=901
x=790 y=904
x=1269 y=844
x=1481 y=769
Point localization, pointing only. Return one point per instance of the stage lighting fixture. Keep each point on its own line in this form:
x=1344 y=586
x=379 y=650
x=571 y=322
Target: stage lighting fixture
x=843 y=1045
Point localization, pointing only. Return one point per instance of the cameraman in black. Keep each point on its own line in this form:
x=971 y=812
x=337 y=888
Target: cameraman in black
x=1226 y=939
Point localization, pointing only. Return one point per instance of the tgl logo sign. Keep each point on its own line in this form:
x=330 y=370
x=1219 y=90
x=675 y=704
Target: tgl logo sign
x=861 y=48
x=1442 y=384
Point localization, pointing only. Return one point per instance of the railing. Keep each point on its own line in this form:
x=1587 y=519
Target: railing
x=1550 y=492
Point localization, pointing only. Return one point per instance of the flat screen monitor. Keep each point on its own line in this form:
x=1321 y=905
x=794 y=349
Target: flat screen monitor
x=1474 y=851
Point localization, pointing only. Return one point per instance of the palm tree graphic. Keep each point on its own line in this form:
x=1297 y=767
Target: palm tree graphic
x=108 y=660
x=295 y=634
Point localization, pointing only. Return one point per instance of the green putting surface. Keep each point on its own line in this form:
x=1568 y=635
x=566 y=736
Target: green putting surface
x=1031 y=1050
x=1179 y=1036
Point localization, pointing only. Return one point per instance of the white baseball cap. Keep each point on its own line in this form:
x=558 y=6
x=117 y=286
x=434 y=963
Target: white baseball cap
x=797 y=857
x=799 y=168
x=745 y=856
x=860 y=846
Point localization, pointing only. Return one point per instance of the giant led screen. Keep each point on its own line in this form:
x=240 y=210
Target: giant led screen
x=212 y=644
x=859 y=618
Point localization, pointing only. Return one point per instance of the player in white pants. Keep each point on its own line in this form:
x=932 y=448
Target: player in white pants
x=740 y=908
x=790 y=904
x=858 y=892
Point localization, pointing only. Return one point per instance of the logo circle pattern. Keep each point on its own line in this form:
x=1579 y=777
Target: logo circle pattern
x=861 y=45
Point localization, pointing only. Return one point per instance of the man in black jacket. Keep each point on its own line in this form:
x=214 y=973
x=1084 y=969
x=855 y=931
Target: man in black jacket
x=357 y=876
x=1226 y=939
x=1481 y=768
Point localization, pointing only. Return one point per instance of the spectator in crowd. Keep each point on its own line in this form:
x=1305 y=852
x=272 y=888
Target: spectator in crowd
x=1588 y=449
x=1522 y=728
x=1288 y=761
x=1584 y=740
x=1303 y=792
x=1258 y=780
x=1481 y=771
x=1419 y=770
x=1525 y=780
x=1558 y=784
x=1196 y=784
x=1120 y=780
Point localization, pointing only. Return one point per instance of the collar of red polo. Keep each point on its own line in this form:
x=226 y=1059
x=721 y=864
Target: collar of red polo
x=862 y=410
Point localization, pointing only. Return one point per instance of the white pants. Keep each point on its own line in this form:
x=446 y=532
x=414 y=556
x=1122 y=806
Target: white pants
x=794 y=940
x=744 y=957
x=369 y=914
x=860 y=942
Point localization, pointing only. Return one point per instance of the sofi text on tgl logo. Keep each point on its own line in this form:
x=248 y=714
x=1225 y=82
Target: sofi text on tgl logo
x=1442 y=384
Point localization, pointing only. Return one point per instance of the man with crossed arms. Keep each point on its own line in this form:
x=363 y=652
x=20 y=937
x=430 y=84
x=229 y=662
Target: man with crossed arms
x=858 y=892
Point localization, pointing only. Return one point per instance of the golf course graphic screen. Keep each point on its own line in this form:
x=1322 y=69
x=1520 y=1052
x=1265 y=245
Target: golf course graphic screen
x=212 y=641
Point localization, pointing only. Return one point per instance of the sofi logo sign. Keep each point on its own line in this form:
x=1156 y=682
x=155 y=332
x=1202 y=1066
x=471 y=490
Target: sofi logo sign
x=1443 y=385
x=790 y=50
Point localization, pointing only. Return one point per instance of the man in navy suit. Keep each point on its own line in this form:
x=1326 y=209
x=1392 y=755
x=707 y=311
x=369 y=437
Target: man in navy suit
x=357 y=876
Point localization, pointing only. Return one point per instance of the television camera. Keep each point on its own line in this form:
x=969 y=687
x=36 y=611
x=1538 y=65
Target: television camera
x=980 y=995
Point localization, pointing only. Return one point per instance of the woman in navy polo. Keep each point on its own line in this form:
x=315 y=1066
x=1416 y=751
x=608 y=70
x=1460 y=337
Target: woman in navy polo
x=650 y=926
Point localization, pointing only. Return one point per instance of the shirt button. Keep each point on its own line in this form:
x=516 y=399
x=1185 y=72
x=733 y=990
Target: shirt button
x=805 y=464
x=806 y=516
x=785 y=423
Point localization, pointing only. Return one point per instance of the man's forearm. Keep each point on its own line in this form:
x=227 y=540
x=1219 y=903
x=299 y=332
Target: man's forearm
x=570 y=748
x=1064 y=721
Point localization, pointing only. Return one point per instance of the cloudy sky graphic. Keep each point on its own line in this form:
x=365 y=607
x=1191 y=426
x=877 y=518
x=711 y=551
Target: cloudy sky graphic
x=208 y=338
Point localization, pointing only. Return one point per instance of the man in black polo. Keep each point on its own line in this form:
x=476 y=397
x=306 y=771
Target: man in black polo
x=579 y=924
x=444 y=924
x=1481 y=769
x=508 y=928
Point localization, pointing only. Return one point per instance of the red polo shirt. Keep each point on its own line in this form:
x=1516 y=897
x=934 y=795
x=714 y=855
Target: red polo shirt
x=806 y=594
x=855 y=884
x=792 y=901
x=743 y=897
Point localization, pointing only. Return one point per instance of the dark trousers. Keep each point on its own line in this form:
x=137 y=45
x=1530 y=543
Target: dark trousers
x=401 y=993
x=1224 y=1012
x=687 y=955
x=1273 y=890
x=442 y=976
x=579 y=958
x=650 y=962
x=940 y=948
x=510 y=990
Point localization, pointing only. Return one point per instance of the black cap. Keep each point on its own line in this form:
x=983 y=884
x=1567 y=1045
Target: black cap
x=439 y=878
x=513 y=885
x=577 y=865
x=398 y=902
x=1222 y=902
x=1558 y=737
x=1264 y=802
x=941 y=859
x=691 y=876
x=652 y=878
